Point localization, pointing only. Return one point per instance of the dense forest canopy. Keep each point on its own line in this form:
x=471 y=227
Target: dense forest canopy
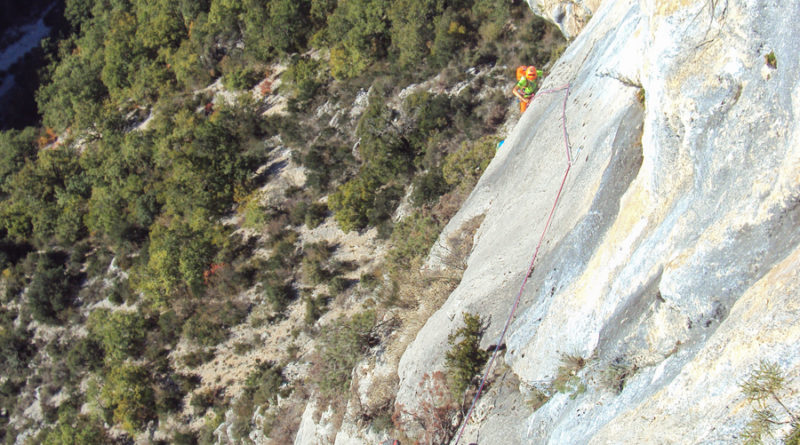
x=127 y=165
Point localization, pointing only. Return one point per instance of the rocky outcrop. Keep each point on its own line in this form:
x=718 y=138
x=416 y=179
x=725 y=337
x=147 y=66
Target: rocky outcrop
x=673 y=252
x=569 y=15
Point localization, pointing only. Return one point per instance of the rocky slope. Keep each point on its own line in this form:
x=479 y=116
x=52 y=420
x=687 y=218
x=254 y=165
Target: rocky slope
x=673 y=253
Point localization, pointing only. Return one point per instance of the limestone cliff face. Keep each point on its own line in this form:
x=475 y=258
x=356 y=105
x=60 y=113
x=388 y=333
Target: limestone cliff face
x=676 y=244
x=569 y=15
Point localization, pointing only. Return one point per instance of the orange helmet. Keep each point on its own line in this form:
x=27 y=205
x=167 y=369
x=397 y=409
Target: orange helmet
x=530 y=73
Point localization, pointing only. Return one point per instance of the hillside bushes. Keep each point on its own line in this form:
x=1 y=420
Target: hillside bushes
x=49 y=293
x=130 y=197
x=341 y=345
x=128 y=397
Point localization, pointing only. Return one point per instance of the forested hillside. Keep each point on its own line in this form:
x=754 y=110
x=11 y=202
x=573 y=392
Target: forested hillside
x=133 y=214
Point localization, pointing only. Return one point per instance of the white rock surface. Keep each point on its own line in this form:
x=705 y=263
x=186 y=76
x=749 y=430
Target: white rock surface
x=319 y=431
x=676 y=240
x=569 y=15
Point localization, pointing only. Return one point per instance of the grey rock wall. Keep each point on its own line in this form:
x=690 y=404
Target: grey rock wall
x=569 y=15
x=674 y=247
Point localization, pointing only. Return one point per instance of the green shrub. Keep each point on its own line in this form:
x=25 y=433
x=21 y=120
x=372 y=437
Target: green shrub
x=128 y=394
x=793 y=438
x=357 y=35
x=492 y=16
x=341 y=346
x=264 y=383
x=277 y=293
x=315 y=215
x=452 y=32
x=85 y=354
x=428 y=187
x=536 y=399
x=207 y=398
x=184 y=438
x=430 y=113
x=314 y=272
x=297 y=214
x=76 y=429
x=384 y=204
x=212 y=322
x=241 y=78
x=467 y=164
x=771 y=60
x=763 y=388
x=616 y=375
x=170 y=393
x=352 y=201
x=169 y=326
x=254 y=214
x=305 y=77
x=16 y=351
x=121 y=333
x=567 y=379
x=337 y=285
x=465 y=359
x=412 y=238
x=325 y=164
x=315 y=307
x=412 y=30
x=178 y=256
x=369 y=280
x=196 y=358
x=49 y=292
x=242 y=347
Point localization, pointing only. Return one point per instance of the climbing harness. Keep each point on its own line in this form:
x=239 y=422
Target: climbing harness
x=566 y=89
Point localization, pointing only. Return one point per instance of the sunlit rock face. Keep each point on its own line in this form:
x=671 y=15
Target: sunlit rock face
x=674 y=248
x=569 y=15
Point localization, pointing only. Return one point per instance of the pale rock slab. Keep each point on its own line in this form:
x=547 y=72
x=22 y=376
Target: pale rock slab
x=674 y=246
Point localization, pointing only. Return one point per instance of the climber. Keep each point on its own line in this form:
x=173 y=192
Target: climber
x=526 y=85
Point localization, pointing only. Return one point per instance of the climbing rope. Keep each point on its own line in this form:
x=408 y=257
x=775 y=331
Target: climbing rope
x=565 y=88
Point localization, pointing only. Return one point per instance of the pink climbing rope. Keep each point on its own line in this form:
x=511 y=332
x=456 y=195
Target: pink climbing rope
x=533 y=260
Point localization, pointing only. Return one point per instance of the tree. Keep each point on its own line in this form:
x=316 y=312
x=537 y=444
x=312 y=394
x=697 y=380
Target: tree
x=73 y=429
x=49 y=292
x=465 y=359
x=47 y=199
x=74 y=93
x=352 y=201
x=16 y=147
x=491 y=15
x=358 y=35
x=122 y=54
x=160 y=23
x=288 y=25
x=122 y=333
x=763 y=388
x=123 y=201
x=178 y=254
x=128 y=395
x=78 y=12
x=412 y=29
x=208 y=152
x=451 y=32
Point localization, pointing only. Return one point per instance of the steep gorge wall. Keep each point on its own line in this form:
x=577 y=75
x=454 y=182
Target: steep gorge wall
x=675 y=245
x=569 y=15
